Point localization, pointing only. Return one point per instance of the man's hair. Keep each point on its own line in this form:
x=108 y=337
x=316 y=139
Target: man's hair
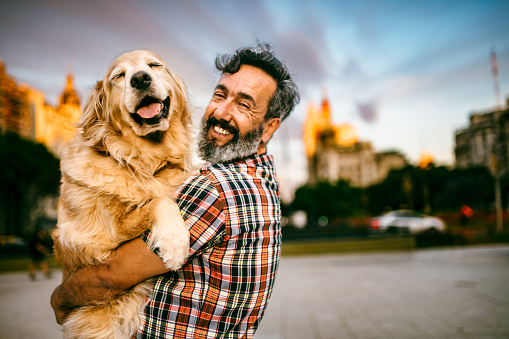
x=286 y=95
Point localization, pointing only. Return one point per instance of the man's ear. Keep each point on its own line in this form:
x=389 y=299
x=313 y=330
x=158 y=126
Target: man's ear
x=269 y=128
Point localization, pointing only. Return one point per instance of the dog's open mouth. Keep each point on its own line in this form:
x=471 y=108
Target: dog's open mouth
x=151 y=110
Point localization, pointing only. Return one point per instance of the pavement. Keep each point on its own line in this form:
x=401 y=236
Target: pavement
x=458 y=292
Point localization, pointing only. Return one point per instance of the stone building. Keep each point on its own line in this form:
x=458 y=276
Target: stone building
x=23 y=110
x=335 y=153
x=14 y=106
x=485 y=142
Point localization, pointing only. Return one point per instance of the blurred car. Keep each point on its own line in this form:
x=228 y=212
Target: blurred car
x=406 y=222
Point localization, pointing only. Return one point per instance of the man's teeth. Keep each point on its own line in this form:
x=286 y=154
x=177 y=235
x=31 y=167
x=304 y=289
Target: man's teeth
x=220 y=130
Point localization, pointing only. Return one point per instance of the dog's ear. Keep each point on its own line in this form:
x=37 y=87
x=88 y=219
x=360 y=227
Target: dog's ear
x=92 y=111
x=182 y=100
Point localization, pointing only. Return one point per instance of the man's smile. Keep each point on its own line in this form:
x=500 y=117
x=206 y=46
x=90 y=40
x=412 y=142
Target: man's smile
x=220 y=135
x=220 y=130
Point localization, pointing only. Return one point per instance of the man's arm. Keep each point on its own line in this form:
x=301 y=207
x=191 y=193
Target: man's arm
x=130 y=264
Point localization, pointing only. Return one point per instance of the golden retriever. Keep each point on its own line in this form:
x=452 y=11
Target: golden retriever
x=119 y=175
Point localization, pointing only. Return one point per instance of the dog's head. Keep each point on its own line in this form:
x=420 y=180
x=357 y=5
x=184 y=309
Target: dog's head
x=138 y=90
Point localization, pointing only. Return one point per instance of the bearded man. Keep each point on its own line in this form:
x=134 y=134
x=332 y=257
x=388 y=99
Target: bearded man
x=232 y=209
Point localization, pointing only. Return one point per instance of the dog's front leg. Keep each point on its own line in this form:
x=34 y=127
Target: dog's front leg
x=170 y=234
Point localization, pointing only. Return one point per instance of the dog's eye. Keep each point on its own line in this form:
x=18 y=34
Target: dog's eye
x=119 y=75
x=155 y=64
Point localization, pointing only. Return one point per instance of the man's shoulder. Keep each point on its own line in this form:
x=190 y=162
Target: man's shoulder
x=215 y=171
x=224 y=173
x=200 y=181
x=209 y=178
x=222 y=177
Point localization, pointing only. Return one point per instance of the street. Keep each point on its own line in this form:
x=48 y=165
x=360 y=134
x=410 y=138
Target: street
x=460 y=292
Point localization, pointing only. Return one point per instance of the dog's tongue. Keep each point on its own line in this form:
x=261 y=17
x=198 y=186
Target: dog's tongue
x=150 y=111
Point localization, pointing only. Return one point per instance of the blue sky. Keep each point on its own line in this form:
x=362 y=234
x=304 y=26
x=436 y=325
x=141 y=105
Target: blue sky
x=406 y=74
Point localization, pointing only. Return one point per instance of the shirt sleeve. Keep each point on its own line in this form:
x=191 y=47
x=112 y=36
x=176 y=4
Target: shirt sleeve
x=203 y=211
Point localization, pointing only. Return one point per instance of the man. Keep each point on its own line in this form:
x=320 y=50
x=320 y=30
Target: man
x=232 y=209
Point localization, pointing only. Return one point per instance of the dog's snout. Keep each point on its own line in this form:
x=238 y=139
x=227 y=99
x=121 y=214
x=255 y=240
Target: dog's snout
x=140 y=80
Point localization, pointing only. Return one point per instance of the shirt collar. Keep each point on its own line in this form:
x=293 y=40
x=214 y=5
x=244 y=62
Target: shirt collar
x=259 y=157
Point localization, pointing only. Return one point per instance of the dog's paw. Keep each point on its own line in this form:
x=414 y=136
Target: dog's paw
x=170 y=234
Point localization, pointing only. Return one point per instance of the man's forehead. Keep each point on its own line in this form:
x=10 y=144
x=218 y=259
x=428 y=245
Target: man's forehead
x=249 y=80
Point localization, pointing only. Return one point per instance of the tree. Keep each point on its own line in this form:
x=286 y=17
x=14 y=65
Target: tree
x=472 y=186
x=28 y=174
x=438 y=188
x=431 y=190
x=330 y=200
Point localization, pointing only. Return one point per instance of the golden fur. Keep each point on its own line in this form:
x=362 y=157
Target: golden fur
x=118 y=179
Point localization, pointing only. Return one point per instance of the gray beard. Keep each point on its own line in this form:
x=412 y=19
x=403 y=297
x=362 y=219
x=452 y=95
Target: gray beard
x=239 y=147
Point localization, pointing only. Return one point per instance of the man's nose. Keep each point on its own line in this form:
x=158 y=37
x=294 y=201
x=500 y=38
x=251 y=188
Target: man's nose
x=223 y=111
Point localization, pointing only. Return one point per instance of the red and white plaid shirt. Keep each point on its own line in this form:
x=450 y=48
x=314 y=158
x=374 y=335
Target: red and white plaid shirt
x=233 y=213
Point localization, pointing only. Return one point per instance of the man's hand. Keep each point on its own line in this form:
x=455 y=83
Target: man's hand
x=61 y=311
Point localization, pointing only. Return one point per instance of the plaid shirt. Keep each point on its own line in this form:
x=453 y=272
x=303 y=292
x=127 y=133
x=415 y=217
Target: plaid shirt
x=233 y=212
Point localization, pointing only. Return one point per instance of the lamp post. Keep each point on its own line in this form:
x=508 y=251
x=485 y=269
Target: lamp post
x=497 y=145
x=498 y=197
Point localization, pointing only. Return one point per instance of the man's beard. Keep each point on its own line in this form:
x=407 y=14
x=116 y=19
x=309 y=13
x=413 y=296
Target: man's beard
x=239 y=147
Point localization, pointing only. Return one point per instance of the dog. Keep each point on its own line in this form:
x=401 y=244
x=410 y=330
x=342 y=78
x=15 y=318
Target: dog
x=119 y=174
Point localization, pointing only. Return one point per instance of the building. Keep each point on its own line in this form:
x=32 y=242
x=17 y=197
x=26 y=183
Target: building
x=485 y=142
x=14 y=107
x=335 y=153
x=23 y=110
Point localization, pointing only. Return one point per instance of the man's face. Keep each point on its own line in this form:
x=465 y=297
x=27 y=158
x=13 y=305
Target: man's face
x=233 y=126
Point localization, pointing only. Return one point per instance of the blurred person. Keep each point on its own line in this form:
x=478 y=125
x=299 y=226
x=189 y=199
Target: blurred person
x=232 y=208
x=38 y=253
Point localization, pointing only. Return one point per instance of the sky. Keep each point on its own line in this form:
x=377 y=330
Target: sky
x=406 y=74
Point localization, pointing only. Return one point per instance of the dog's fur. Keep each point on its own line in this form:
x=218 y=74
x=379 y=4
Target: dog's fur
x=119 y=175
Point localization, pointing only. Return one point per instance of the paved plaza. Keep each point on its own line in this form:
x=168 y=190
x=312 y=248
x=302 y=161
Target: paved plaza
x=436 y=293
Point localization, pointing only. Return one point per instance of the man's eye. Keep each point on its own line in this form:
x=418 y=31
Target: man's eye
x=244 y=105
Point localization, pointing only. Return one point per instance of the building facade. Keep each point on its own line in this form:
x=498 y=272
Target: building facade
x=23 y=110
x=485 y=142
x=14 y=107
x=334 y=152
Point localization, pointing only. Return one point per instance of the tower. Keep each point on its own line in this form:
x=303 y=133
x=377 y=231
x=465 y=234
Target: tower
x=494 y=70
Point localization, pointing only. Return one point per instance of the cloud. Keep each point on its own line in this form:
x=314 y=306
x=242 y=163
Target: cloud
x=301 y=57
x=375 y=58
x=352 y=71
x=301 y=42
x=367 y=111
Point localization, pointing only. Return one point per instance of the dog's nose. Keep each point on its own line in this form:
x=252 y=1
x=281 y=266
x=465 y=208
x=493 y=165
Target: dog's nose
x=140 y=80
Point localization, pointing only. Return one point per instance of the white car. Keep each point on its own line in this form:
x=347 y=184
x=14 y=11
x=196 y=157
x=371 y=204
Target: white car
x=406 y=221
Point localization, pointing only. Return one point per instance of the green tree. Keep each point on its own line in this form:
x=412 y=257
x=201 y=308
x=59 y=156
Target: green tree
x=472 y=186
x=332 y=200
x=438 y=188
x=395 y=192
x=28 y=174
